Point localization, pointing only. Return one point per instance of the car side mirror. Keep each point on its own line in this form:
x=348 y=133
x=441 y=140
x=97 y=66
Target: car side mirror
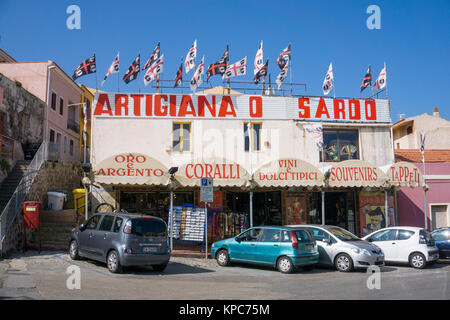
x=238 y=239
x=327 y=241
x=82 y=227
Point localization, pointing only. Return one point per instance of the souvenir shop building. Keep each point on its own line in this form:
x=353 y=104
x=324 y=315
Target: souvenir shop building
x=261 y=152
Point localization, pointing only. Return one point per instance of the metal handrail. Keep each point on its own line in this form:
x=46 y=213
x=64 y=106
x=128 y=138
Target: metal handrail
x=15 y=203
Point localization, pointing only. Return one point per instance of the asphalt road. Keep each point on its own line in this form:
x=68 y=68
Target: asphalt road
x=44 y=276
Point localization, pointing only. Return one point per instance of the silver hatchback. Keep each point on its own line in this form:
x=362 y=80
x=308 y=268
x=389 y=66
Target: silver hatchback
x=122 y=239
x=342 y=249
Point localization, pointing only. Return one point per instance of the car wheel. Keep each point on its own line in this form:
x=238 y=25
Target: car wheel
x=343 y=263
x=73 y=250
x=222 y=258
x=285 y=265
x=113 y=262
x=417 y=260
x=159 y=267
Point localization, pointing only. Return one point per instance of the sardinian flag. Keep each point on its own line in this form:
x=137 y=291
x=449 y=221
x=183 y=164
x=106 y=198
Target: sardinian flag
x=86 y=67
x=155 y=69
x=261 y=73
x=220 y=66
x=315 y=132
x=155 y=55
x=179 y=78
x=133 y=70
x=367 y=80
x=282 y=75
x=422 y=144
x=381 y=80
x=328 y=82
x=284 y=58
x=196 y=80
x=189 y=62
x=236 y=69
x=259 y=59
x=114 y=68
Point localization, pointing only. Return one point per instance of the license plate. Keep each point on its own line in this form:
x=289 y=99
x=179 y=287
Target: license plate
x=149 y=249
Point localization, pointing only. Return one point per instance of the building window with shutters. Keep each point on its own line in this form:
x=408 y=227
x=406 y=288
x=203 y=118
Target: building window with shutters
x=252 y=135
x=181 y=136
x=61 y=106
x=53 y=101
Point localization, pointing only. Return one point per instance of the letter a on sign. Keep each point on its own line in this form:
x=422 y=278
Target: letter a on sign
x=374 y=21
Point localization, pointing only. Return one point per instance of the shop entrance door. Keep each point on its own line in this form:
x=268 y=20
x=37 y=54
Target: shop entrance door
x=267 y=208
x=339 y=210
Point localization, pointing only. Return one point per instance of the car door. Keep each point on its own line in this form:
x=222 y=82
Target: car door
x=324 y=245
x=268 y=248
x=87 y=234
x=245 y=246
x=386 y=240
x=103 y=236
x=404 y=244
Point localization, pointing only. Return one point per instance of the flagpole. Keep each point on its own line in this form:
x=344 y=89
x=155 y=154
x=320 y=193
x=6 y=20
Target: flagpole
x=290 y=65
x=95 y=59
x=385 y=75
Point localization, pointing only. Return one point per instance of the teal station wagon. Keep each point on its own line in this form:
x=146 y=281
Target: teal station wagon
x=282 y=247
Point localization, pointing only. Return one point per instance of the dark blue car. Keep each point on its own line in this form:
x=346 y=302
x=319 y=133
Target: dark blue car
x=441 y=238
x=283 y=247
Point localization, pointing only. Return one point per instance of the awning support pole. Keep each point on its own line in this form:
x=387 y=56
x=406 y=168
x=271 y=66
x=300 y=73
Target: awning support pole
x=323 y=206
x=251 y=208
x=171 y=217
x=386 y=207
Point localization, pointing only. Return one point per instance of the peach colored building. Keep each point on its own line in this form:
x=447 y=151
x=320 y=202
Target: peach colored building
x=62 y=97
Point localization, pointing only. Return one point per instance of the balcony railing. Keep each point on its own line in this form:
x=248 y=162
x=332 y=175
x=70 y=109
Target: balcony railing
x=73 y=125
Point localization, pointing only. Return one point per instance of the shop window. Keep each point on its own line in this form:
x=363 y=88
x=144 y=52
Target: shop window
x=61 y=106
x=340 y=145
x=53 y=101
x=181 y=140
x=252 y=135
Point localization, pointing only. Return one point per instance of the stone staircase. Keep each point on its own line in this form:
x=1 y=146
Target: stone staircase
x=11 y=182
x=55 y=230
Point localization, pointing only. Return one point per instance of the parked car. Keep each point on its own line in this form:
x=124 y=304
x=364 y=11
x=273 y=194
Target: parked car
x=441 y=238
x=406 y=245
x=342 y=249
x=121 y=240
x=282 y=247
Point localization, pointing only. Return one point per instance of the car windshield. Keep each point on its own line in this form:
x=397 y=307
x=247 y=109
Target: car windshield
x=342 y=234
x=148 y=227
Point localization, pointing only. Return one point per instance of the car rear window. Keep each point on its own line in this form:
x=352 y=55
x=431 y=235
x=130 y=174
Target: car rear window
x=148 y=227
x=302 y=236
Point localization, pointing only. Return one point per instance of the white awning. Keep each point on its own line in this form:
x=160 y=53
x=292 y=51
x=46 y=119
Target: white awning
x=355 y=173
x=131 y=168
x=288 y=173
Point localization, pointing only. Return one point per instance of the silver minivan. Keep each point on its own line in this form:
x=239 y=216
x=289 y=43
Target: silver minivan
x=121 y=240
x=342 y=249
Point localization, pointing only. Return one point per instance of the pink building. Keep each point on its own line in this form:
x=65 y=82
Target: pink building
x=62 y=97
x=410 y=201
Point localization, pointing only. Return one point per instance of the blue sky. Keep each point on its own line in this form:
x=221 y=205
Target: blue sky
x=413 y=41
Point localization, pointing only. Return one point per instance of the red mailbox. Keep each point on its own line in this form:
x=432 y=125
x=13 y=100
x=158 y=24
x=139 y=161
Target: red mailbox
x=31 y=212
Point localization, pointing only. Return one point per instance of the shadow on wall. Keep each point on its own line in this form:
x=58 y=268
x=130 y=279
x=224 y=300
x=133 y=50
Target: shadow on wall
x=409 y=212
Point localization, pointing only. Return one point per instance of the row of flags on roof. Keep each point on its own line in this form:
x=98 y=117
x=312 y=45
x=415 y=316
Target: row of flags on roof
x=154 y=66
